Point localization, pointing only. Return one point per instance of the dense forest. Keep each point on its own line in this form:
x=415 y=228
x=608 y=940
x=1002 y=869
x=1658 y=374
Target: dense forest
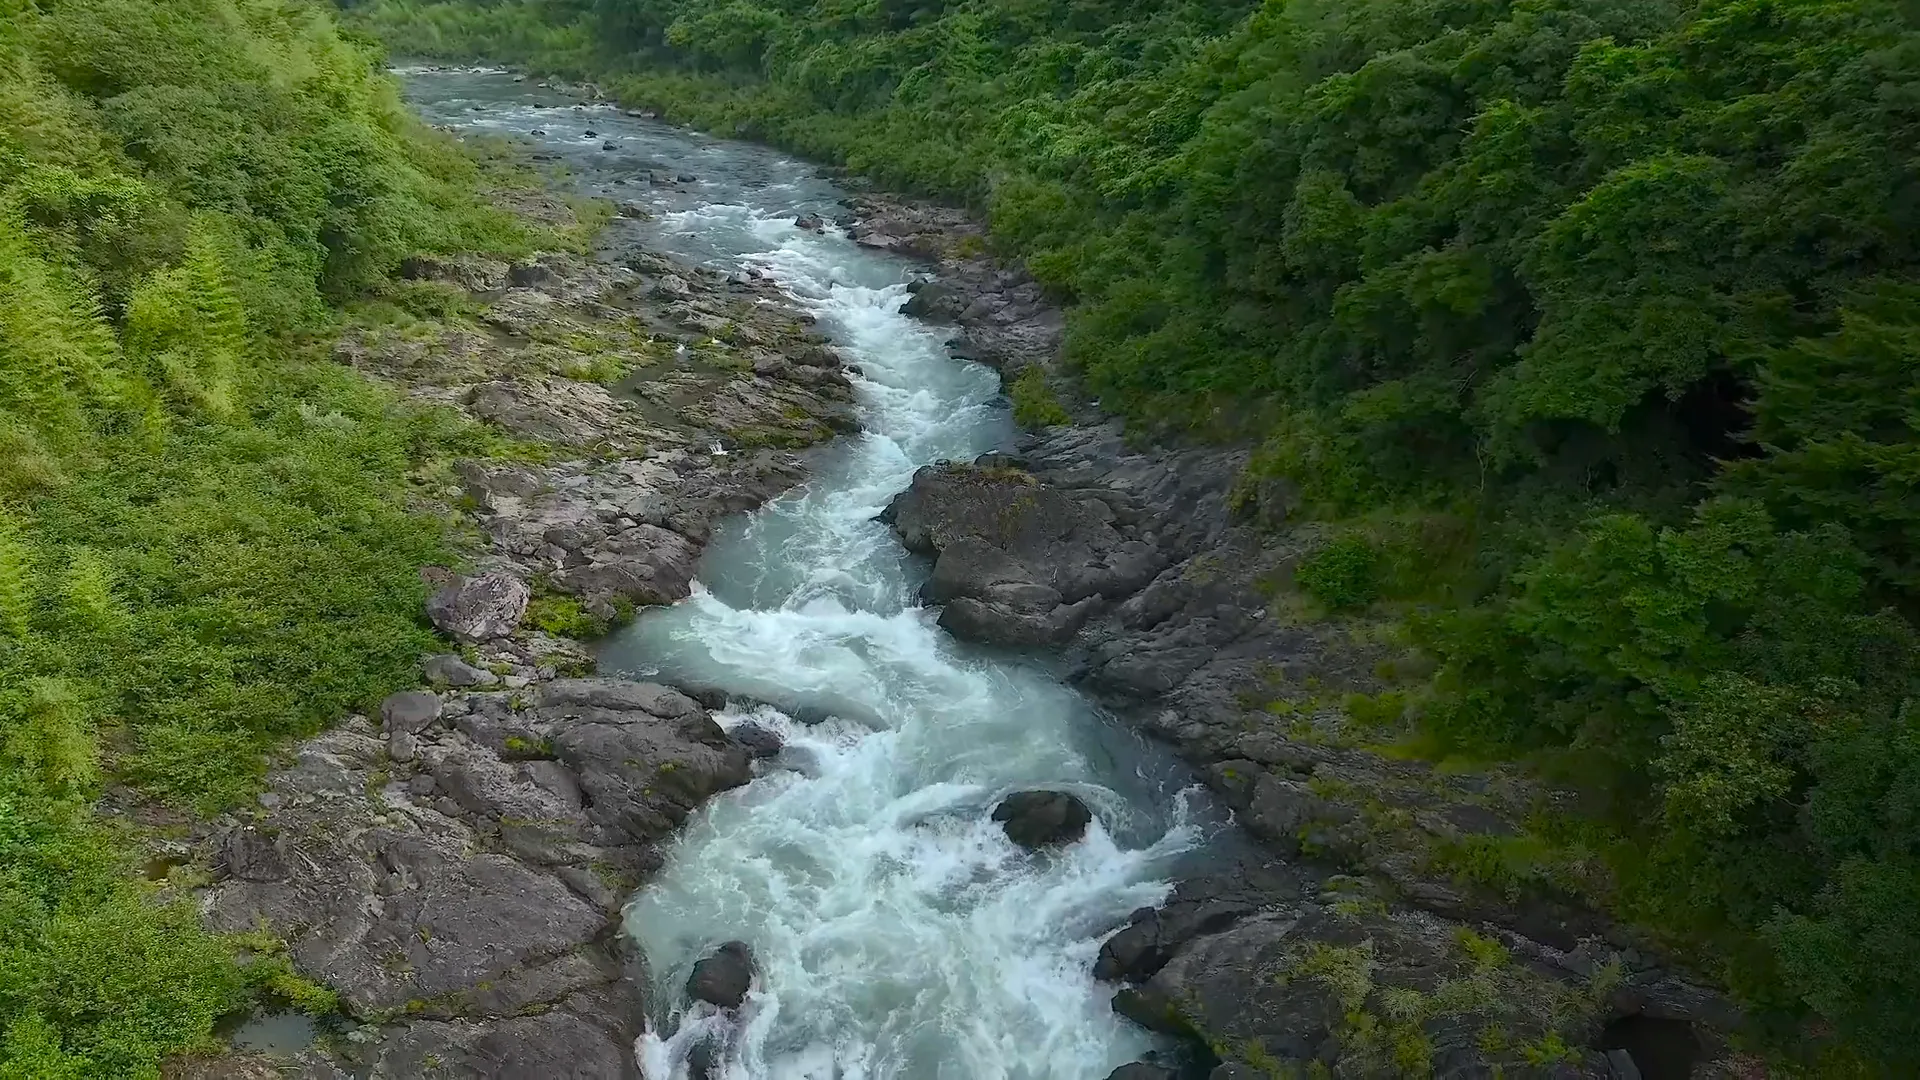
x=1590 y=331
x=204 y=543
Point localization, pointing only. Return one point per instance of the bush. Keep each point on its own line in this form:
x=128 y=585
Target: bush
x=203 y=542
x=562 y=616
x=1340 y=575
x=1034 y=405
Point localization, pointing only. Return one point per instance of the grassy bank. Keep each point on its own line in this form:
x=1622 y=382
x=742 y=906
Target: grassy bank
x=205 y=548
x=1590 y=332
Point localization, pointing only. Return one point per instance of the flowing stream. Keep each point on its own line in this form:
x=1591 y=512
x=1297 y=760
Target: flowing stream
x=897 y=932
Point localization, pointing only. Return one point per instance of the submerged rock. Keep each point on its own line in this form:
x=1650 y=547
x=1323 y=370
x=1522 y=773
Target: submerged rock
x=724 y=976
x=760 y=741
x=1037 y=819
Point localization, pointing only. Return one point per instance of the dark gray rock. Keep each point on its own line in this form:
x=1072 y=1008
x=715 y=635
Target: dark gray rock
x=1140 y=1070
x=1300 y=983
x=620 y=694
x=1036 y=819
x=447 y=669
x=409 y=711
x=481 y=608
x=487 y=916
x=527 y=275
x=703 y=1059
x=761 y=742
x=645 y=564
x=576 y=1041
x=724 y=976
x=1018 y=562
x=249 y=855
x=388 y=913
x=402 y=746
x=1000 y=624
x=559 y=1044
x=936 y=301
x=645 y=756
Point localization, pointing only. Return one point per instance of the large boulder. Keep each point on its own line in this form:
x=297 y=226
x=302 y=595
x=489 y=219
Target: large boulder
x=935 y=301
x=1017 y=562
x=392 y=903
x=410 y=711
x=761 y=741
x=472 y=885
x=646 y=756
x=1365 y=990
x=1037 y=819
x=644 y=564
x=480 y=608
x=584 y=1038
x=250 y=855
x=724 y=976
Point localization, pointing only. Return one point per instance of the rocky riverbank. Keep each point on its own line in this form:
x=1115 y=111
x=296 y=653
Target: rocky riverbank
x=454 y=866
x=1400 y=929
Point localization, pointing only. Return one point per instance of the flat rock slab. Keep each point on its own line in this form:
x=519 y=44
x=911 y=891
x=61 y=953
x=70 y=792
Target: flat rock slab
x=475 y=883
x=481 y=608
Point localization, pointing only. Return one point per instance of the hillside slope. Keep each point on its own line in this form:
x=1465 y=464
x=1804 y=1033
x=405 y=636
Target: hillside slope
x=204 y=538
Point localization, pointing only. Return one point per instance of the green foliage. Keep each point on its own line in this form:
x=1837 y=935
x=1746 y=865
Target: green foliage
x=270 y=973
x=1034 y=403
x=97 y=978
x=203 y=546
x=1341 y=574
x=1627 y=292
x=562 y=616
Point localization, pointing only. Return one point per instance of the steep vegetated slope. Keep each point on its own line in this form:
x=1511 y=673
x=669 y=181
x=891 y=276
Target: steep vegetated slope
x=204 y=544
x=1589 y=330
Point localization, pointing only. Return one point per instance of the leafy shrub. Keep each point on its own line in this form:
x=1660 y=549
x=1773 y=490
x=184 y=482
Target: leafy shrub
x=562 y=616
x=203 y=542
x=1034 y=404
x=1341 y=574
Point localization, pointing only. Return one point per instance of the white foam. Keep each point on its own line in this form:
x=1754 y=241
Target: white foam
x=899 y=934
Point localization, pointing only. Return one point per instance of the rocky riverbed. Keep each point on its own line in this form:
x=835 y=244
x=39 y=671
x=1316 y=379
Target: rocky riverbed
x=1364 y=947
x=455 y=865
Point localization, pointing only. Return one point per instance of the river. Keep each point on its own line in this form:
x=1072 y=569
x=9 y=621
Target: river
x=898 y=933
